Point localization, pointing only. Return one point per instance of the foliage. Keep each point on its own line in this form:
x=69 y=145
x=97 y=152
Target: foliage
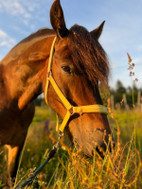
x=129 y=91
x=39 y=101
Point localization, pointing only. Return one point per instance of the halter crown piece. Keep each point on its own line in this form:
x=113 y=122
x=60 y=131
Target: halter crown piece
x=71 y=110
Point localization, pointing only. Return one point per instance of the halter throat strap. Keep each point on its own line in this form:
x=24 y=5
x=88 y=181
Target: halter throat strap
x=71 y=110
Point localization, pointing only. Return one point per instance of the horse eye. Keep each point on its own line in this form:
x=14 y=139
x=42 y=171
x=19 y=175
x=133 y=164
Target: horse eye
x=66 y=69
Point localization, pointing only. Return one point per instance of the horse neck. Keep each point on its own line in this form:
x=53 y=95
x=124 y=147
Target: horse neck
x=26 y=78
x=32 y=90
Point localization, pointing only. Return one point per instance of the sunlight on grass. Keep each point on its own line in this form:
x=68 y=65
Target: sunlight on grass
x=68 y=169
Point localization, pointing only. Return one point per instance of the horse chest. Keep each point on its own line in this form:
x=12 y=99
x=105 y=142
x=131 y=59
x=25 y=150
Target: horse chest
x=14 y=124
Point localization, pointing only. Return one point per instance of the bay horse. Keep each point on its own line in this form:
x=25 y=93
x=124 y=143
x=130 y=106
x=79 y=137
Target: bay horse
x=79 y=64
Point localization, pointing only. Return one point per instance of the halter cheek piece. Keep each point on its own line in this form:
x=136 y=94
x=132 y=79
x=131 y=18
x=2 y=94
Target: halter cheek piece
x=71 y=110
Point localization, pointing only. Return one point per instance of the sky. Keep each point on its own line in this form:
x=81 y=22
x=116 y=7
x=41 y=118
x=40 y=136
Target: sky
x=122 y=30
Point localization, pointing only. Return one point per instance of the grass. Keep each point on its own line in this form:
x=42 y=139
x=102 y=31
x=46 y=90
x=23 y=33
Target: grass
x=120 y=169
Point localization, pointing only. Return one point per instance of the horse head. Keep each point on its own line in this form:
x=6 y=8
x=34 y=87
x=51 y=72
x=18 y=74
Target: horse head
x=79 y=65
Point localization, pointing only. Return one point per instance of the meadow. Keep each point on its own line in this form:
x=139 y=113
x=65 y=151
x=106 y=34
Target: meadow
x=69 y=170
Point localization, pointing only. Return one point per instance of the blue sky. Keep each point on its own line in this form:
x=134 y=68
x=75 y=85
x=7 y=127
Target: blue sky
x=122 y=31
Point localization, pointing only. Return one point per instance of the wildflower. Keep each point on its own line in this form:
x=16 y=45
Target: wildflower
x=28 y=149
x=130 y=67
x=131 y=74
x=136 y=79
x=133 y=64
x=129 y=58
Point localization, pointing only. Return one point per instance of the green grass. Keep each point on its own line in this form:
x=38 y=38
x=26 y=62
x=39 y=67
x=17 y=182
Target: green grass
x=120 y=169
x=128 y=121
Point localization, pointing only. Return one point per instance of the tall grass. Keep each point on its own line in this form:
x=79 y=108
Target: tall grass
x=120 y=169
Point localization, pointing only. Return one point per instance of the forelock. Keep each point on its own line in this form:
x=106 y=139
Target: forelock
x=88 y=55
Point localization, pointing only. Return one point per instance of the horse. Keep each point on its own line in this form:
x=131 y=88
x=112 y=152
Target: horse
x=79 y=64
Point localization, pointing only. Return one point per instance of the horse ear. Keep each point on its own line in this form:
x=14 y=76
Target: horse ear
x=98 y=31
x=57 y=19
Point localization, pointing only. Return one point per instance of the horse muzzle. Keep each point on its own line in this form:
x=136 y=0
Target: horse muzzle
x=88 y=143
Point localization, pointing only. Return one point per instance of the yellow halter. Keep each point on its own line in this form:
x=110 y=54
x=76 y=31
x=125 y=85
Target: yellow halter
x=71 y=110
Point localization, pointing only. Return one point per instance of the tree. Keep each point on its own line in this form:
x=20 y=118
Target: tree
x=120 y=90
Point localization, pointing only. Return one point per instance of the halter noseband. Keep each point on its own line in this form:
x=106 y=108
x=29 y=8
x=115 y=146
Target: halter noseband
x=71 y=110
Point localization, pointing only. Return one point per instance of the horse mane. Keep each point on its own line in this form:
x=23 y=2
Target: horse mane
x=88 y=55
